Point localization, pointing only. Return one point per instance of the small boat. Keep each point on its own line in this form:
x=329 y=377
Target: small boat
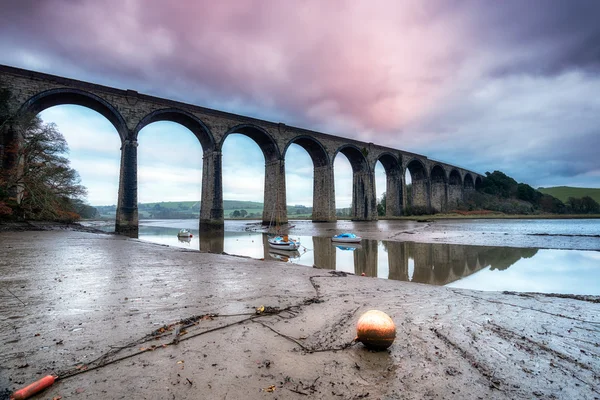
x=184 y=233
x=284 y=243
x=349 y=247
x=284 y=255
x=346 y=238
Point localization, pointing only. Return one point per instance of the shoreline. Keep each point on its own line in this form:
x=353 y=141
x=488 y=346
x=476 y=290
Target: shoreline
x=79 y=296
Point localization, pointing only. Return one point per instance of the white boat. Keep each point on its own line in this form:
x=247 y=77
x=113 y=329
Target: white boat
x=346 y=238
x=284 y=255
x=283 y=243
x=349 y=246
x=184 y=233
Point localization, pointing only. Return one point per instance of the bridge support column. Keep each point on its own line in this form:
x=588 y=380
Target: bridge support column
x=439 y=196
x=421 y=194
x=211 y=206
x=393 y=195
x=127 y=209
x=323 y=194
x=455 y=196
x=275 y=208
x=364 y=204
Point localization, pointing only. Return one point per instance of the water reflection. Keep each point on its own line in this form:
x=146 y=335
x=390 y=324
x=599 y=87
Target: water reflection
x=430 y=263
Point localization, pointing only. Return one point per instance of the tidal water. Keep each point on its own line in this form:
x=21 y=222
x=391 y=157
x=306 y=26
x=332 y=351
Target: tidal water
x=491 y=268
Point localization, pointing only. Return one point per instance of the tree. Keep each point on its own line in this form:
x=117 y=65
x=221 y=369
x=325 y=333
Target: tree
x=381 y=206
x=243 y=213
x=48 y=187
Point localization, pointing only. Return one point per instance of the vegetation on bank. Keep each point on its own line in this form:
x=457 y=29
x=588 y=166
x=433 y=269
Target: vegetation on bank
x=563 y=193
x=36 y=180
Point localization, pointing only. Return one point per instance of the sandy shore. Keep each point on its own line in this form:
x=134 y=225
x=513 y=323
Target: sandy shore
x=74 y=302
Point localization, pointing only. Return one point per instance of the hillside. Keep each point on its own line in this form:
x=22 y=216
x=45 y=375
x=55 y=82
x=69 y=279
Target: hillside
x=564 y=192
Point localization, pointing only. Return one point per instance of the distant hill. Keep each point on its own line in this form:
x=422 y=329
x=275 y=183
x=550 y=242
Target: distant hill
x=564 y=192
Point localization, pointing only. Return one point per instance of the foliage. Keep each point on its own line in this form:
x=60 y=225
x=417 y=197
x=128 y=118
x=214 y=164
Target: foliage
x=585 y=205
x=46 y=186
x=381 y=206
x=499 y=184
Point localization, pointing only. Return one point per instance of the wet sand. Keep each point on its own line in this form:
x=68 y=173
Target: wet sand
x=74 y=301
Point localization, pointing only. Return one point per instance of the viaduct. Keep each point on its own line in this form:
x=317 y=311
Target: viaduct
x=435 y=185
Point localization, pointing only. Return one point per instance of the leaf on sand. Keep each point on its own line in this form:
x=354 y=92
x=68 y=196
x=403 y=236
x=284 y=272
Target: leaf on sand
x=180 y=362
x=270 y=388
x=260 y=310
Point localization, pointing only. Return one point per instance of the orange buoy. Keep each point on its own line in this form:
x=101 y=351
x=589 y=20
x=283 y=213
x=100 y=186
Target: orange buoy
x=34 y=388
x=376 y=330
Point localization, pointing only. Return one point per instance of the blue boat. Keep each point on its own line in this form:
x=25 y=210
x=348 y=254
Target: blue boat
x=346 y=238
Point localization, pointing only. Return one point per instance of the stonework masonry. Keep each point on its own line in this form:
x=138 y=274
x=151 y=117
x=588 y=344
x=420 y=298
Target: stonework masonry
x=129 y=111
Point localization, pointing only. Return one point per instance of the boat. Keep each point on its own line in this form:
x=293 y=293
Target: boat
x=284 y=255
x=346 y=238
x=283 y=242
x=349 y=246
x=184 y=233
x=184 y=239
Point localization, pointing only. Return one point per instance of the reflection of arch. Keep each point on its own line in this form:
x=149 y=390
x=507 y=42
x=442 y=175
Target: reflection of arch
x=469 y=184
x=313 y=147
x=438 y=188
x=195 y=125
x=420 y=189
x=262 y=138
x=355 y=156
x=57 y=97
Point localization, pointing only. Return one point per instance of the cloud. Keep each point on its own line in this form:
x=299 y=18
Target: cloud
x=503 y=85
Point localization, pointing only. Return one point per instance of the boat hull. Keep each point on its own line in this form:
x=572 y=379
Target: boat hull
x=347 y=240
x=280 y=245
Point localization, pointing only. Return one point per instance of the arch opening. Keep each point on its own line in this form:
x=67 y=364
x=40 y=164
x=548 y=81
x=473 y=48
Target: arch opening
x=322 y=206
x=94 y=152
x=169 y=171
x=243 y=178
x=417 y=189
x=393 y=202
x=299 y=178
x=468 y=182
x=364 y=207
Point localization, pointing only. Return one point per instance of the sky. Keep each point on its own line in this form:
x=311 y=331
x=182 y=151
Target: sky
x=511 y=86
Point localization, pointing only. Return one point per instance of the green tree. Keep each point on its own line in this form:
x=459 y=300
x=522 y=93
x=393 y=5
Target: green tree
x=243 y=213
x=48 y=186
x=381 y=206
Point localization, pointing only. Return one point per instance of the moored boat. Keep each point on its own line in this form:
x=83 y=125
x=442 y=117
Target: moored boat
x=284 y=243
x=346 y=238
x=184 y=233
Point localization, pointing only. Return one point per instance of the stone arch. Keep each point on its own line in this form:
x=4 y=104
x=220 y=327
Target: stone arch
x=439 y=195
x=275 y=209
x=63 y=96
x=364 y=205
x=263 y=139
x=195 y=125
x=455 y=189
x=469 y=184
x=313 y=147
x=357 y=158
x=420 y=184
x=323 y=189
x=393 y=192
x=478 y=182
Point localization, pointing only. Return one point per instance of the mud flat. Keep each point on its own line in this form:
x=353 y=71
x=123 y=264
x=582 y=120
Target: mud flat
x=120 y=318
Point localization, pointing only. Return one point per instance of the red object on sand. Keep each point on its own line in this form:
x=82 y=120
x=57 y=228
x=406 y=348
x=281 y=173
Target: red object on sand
x=34 y=388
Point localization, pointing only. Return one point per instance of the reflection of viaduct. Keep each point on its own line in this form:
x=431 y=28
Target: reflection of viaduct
x=435 y=264
x=434 y=184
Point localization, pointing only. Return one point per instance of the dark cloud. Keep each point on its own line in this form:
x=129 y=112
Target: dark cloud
x=457 y=80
